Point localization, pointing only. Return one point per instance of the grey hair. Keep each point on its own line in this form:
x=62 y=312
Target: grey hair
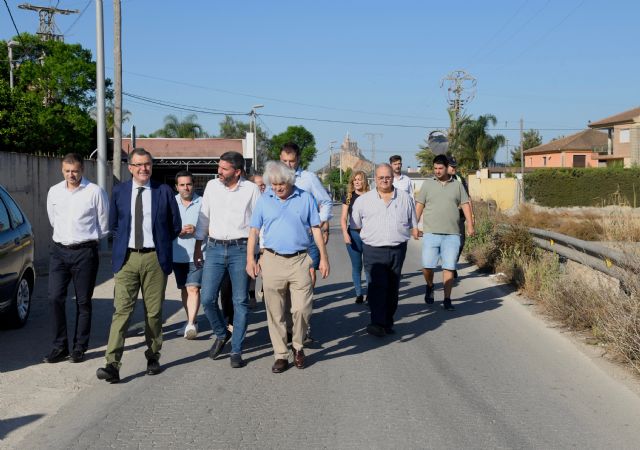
x=384 y=165
x=277 y=172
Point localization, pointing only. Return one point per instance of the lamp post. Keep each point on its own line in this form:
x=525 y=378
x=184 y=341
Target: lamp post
x=10 y=46
x=255 y=136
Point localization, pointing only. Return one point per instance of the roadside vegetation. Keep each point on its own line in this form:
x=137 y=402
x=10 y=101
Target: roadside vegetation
x=577 y=297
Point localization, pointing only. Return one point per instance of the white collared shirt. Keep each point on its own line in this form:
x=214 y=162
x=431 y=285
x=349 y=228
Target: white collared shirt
x=403 y=183
x=80 y=215
x=226 y=213
x=147 y=226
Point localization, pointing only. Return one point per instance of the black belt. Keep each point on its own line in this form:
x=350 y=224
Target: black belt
x=228 y=242
x=142 y=250
x=86 y=244
x=288 y=255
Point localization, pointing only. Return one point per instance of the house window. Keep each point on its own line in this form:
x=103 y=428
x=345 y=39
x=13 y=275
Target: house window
x=579 y=161
x=625 y=136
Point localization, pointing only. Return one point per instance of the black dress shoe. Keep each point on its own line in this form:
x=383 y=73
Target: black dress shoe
x=56 y=355
x=109 y=373
x=236 y=361
x=153 y=367
x=77 y=356
x=359 y=299
x=376 y=330
x=280 y=366
x=216 y=348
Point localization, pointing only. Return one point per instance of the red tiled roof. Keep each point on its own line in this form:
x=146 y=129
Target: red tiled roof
x=587 y=140
x=185 y=148
x=623 y=117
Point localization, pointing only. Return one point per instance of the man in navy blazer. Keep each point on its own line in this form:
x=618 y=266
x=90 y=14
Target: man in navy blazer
x=144 y=220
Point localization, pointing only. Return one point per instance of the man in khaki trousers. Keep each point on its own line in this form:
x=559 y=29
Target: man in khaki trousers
x=285 y=213
x=144 y=221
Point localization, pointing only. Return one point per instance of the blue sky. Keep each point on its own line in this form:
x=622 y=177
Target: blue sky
x=557 y=64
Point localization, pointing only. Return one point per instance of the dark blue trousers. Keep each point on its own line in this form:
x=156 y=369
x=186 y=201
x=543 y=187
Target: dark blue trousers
x=80 y=266
x=384 y=268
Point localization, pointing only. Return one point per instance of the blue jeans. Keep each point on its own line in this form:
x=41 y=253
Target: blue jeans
x=355 y=253
x=233 y=258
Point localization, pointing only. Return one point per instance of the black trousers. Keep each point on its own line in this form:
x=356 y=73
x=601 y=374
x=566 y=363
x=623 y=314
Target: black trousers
x=384 y=267
x=80 y=266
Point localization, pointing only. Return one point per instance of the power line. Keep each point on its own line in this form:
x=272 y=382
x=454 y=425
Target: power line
x=11 y=15
x=78 y=18
x=212 y=111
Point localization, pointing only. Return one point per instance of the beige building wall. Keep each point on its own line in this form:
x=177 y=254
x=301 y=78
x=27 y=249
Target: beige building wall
x=622 y=148
x=503 y=191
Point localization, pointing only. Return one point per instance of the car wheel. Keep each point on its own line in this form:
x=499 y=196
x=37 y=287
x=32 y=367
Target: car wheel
x=19 y=312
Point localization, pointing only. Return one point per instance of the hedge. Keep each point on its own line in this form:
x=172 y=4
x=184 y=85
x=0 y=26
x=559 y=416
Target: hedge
x=583 y=187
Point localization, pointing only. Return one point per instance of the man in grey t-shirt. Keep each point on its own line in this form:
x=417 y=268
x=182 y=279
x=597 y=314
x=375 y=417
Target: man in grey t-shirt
x=440 y=198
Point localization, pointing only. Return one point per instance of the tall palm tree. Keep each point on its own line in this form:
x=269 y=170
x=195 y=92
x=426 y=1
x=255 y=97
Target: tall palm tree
x=187 y=128
x=109 y=116
x=477 y=146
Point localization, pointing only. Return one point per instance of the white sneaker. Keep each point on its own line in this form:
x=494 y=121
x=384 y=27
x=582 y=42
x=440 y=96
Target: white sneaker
x=190 y=331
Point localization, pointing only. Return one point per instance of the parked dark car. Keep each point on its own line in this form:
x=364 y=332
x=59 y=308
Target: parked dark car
x=17 y=275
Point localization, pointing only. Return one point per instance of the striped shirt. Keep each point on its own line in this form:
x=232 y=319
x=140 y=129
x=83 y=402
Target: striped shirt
x=384 y=224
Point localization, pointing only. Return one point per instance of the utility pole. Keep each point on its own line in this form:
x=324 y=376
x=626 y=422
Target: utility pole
x=100 y=96
x=10 y=46
x=47 y=30
x=253 y=127
x=117 y=86
x=372 y=138
x=522 y=155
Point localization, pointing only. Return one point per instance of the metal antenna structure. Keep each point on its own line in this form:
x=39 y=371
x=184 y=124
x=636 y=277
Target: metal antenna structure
x=372 y=138
x=48 y=31
x=461 y=89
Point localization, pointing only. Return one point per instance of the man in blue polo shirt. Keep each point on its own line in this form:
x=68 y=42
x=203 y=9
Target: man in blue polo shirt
x=188 y=276
x=285 y=213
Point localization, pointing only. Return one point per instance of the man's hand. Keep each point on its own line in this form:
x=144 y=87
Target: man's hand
x=187 y=229
x=415 y=233
x=324 y=267
x=253 y=268
x=470 y=230
x=197 y=255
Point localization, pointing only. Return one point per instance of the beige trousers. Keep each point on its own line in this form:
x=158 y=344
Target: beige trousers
x=282 y=276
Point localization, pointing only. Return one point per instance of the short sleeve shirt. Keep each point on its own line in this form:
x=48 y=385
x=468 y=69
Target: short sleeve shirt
x=441 y=205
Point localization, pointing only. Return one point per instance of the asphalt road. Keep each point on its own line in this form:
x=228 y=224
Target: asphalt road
x=489 y=375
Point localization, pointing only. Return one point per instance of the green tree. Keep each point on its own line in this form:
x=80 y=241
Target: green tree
x=301 y=136
x=236 y=129
x=176 y=128
x=530 y=138
x=54 y=89
x=477 y=147
x=425 y=158
x=332 y=180
x=109 y=116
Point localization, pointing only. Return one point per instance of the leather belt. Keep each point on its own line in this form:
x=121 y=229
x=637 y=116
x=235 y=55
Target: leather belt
x=287 y=255
x=142 y=250
x=228 y=242
x=86 y=244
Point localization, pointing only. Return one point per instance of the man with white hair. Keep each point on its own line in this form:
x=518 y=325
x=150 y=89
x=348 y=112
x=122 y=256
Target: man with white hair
x=285 y=213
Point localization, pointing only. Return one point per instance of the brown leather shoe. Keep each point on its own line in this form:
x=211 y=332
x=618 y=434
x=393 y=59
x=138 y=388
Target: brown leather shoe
x=298 y=358
x=280 y=366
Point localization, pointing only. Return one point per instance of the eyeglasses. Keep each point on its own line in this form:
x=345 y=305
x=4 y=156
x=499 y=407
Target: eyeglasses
x=384 y=178
x=140 y=164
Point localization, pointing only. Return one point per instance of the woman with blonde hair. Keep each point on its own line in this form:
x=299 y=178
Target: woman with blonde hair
x=358 y=185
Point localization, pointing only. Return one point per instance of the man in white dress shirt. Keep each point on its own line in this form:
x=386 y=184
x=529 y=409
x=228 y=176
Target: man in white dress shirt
x=400 y=182
x=227 y=205
x=79 y=214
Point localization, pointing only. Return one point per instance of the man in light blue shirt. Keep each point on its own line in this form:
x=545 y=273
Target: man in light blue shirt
x=188 y=276
x=285 y=213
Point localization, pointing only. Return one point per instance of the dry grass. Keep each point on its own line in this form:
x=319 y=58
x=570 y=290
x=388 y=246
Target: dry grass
x=619 y=223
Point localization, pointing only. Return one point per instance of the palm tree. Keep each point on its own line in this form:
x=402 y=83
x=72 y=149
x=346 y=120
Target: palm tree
x=478 y=148
x=187 y=128
x=109 y=116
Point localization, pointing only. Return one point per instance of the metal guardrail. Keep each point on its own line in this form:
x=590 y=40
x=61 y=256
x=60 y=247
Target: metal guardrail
x=592 y=254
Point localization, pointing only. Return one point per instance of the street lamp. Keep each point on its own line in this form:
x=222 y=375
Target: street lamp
x=10 y=46
x=255 y=136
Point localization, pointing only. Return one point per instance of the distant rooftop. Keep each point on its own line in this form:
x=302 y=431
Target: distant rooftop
x=202 y=148
x=588 y=140
x=621 y=118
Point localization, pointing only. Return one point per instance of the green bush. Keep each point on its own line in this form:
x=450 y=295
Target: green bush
x=583 y=187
